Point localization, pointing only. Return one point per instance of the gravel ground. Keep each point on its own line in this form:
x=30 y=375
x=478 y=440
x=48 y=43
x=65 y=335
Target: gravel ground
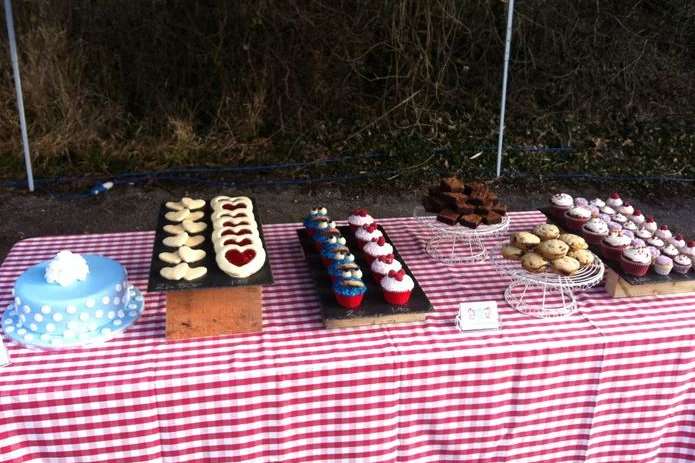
x=135 y=208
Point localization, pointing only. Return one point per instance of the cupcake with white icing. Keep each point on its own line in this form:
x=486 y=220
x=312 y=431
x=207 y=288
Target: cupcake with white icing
x=598 y=202
x=678 y=241
x=358 y=218
x=638 y=218
x=649 y=223
x=682 y=263
x=367 y=233
x=689 y=249
x=595 y=230
x=397 y=287
x=575 y=217
x=643 y=233
x=615 y=201
x=626 y=209
x=375 y=248
x=664 y=233
x=613 y=245
x=559 y=204
x=382 y=265
x=635 y=261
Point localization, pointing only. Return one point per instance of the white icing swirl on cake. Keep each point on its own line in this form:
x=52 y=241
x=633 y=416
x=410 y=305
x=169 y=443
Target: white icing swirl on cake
x=66 y=268
x=639 y=255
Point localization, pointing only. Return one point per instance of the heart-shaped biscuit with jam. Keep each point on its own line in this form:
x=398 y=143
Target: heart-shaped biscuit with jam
x=240 y=261
x=240 y=203
x=223 y=220
x=237 y=232
x=243 y=240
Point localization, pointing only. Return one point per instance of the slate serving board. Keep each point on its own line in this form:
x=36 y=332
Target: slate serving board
x=215 y=278
x=374 y=309
x=650 y=278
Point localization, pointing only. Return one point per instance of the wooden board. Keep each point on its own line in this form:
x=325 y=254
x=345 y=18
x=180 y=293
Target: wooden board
x=374 y=309
x=213 y=312
x=375 y=319
x=618 y=287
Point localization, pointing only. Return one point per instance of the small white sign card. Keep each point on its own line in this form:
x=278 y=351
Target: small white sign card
x=480 y=315
x=4 y=356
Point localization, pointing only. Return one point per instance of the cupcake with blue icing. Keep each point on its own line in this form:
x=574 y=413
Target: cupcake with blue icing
x=339 y=270
x=326 y=237
x=349 y=293
x=316 y=217
x=333 y=254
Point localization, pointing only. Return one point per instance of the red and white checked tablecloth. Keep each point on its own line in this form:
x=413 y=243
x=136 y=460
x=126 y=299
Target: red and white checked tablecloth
x=612 y=383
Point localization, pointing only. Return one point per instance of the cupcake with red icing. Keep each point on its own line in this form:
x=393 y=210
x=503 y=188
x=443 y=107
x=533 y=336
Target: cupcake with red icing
x=559 y=204
x=375 y=248
x=397 y=287
x=649 y=224
x=615 y=201
x=575 y=217
x=382 y=265
x=367 y=233
x=358 y=218
x=349 y=292
x=635 y=261
x=612 y=246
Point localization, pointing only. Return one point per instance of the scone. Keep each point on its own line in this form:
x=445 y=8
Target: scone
x=575 y=242
x=584 y=257
x=566 y=265
x=546 y=231
x=534 y=263
x=512 y=252
x=553 y=249
x=525 y=240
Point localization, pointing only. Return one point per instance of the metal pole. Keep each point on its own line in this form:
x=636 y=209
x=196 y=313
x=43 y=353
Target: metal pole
x=18 y=87
x=503 y=102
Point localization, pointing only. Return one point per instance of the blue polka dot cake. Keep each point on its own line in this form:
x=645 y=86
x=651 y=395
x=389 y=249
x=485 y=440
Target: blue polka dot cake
x=71 y=300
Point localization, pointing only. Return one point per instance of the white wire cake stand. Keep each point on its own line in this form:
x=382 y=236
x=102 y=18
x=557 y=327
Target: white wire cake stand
x=544 y=295
x=454 y=244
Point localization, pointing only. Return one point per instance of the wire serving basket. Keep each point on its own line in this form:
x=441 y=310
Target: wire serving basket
x=544 y=295
x=455 y=244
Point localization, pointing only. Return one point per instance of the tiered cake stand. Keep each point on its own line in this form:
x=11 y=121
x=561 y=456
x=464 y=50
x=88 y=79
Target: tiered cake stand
x=455 y=244
x=544 y=295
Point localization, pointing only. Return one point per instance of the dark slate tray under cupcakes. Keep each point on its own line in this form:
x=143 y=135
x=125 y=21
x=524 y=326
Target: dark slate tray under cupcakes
x=214 y=278
x=373 y=304
x=649 y=278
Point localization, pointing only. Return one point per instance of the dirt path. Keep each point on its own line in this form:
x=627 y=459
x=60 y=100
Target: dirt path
x=135 y=208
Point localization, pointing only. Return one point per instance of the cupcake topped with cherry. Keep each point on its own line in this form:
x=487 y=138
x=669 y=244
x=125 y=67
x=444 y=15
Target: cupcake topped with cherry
x=367 y=233
x=375 y=248
x=397 y=287
x=614 y=201
x=358 y=218
x=382 y=265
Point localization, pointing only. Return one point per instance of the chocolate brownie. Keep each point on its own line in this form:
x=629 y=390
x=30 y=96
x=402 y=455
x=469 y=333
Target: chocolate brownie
x=464 y=208
x=470 y=220
x=476 y=200
x=500 y=209
x=492 y=218
x=452 y=184
x=431 y=204
x=448 y=217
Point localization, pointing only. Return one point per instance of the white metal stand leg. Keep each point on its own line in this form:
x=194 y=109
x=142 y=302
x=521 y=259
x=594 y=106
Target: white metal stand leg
x=18 y=88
